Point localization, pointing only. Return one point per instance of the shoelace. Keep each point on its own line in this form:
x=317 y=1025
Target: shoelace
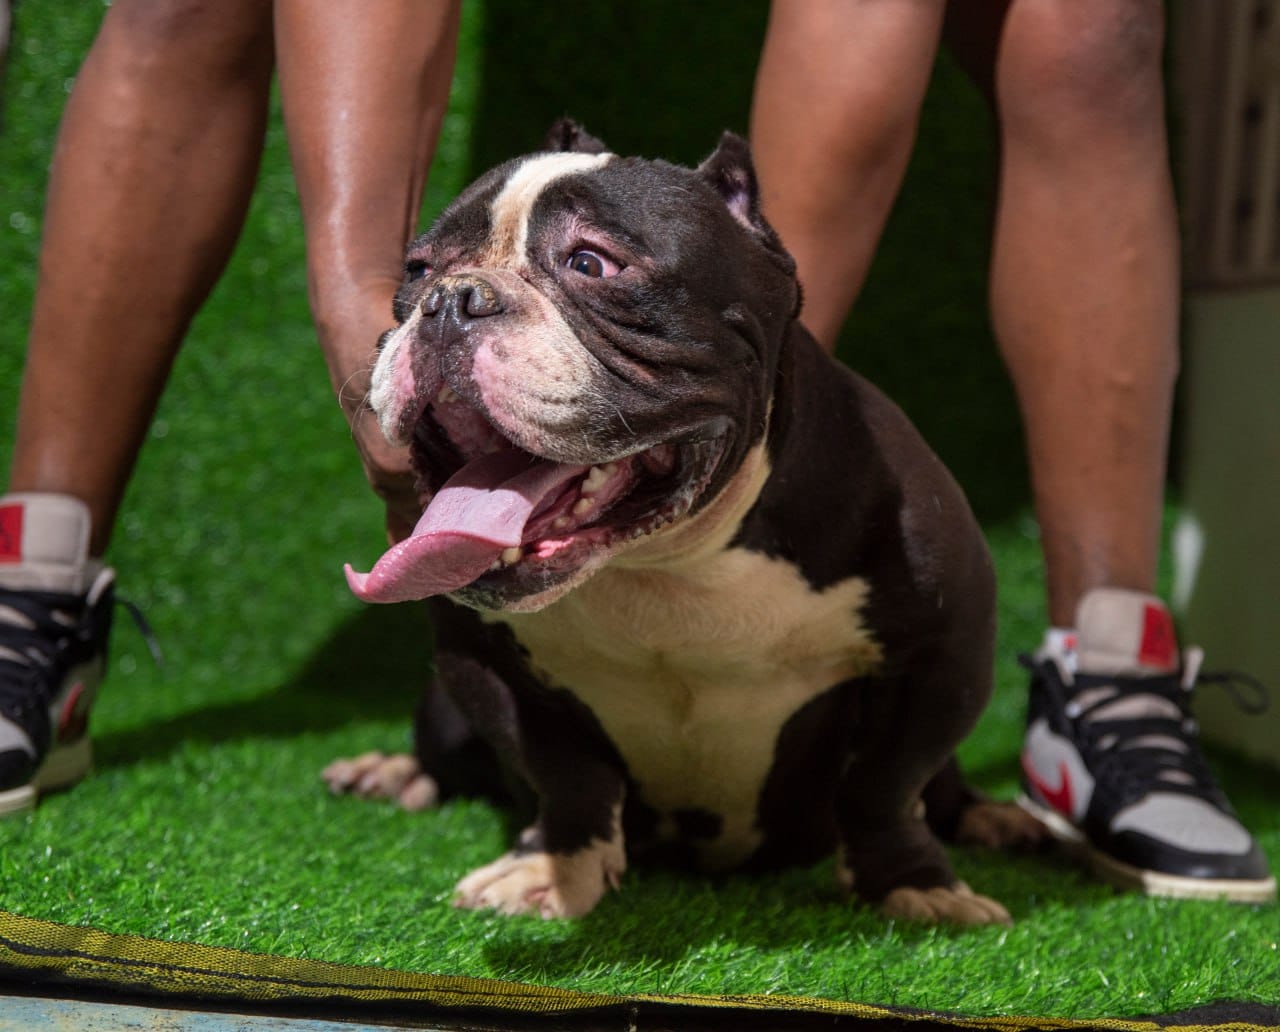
x=45 y=624
x=1134 y=755
x=1237 y=683
x=39 y=625
x=144 y=628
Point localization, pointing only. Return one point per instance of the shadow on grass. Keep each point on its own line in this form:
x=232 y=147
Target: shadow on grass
x=664 y=918
x=372 y=667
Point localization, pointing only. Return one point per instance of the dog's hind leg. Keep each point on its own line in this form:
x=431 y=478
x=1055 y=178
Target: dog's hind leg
x=958 y=812
x=449 y=759
x=374 y=775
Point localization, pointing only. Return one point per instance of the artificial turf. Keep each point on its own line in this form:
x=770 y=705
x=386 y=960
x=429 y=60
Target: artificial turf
x=206 y=820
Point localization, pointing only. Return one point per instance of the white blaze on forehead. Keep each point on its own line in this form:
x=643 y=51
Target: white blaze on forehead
x=510 y=210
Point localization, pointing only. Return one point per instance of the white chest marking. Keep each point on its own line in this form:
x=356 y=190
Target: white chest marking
x=694 y=672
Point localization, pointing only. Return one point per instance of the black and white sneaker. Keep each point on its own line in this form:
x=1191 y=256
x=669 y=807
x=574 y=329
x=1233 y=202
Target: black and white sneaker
x=1112 y=762
x=55 y=619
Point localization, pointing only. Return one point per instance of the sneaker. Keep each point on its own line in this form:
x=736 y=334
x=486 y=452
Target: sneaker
x=55 y=617
x=1112 y=763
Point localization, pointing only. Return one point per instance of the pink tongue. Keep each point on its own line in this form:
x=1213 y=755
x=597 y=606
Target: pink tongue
x=481 y=511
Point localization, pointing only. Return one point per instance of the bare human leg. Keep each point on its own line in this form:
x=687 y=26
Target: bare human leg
x=1085 y=284
x=833 y=121
x=156 y=159
x=1085 y=302
x=365 y=90
x=155 y=164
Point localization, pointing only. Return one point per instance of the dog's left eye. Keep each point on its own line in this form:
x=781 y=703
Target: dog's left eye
x=589 y=263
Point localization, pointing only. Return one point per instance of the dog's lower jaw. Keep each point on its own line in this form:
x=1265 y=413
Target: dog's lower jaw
x=675 y=535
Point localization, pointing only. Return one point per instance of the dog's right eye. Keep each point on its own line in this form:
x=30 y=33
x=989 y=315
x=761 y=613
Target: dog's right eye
x=592 y=264
x=416 y=270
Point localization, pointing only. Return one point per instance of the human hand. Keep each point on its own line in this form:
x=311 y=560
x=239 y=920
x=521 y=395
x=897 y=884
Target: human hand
x=389 y=473
x=349 y=342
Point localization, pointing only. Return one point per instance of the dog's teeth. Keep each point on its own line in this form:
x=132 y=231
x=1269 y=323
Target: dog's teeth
x=560 y=522
x=598 y=476
x=583 y=506
x=511 y=556
x=446 y=396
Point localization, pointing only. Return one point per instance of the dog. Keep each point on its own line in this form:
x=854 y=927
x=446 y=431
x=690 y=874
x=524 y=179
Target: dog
x=706 y=592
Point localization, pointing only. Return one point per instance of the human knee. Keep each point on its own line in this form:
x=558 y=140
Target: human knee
x=1096 y=62
x=204 y=38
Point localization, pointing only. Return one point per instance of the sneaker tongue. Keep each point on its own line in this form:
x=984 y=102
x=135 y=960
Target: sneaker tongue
x=44 y=544
x=1125 y=633
x=481 y=511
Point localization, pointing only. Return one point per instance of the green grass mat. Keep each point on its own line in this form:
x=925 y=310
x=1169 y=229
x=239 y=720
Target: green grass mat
x=68 y=965
x=206 y=820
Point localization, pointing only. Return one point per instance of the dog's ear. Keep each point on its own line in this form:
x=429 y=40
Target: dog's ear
x=730 y=171
x=565 y=135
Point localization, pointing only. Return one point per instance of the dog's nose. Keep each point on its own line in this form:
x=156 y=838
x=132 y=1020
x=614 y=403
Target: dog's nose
x=462 y=299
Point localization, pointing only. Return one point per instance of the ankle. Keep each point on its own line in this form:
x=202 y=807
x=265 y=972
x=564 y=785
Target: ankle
x=44 y=543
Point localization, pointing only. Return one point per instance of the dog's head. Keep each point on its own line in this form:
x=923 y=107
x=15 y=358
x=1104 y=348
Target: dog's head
x=586 y=351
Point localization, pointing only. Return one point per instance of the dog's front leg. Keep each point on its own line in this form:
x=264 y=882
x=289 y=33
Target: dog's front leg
x=574 y=851
x=888 y=853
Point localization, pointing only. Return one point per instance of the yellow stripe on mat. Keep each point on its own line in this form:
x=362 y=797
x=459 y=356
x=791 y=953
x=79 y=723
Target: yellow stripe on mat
x=42 y=951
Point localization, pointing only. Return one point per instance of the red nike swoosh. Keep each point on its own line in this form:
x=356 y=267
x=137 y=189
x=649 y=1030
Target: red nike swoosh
x=1059 y=796
x=74 y=719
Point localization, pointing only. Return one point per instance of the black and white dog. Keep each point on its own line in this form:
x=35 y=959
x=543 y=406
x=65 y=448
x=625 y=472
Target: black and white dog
x=703 y=590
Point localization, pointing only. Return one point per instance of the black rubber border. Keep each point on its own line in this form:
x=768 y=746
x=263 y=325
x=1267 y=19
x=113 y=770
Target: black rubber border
x=41 y=958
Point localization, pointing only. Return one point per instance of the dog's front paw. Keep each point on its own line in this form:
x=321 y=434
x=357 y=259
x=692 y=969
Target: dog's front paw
x=951 y=904
x=994 y=825
x=546 y=884
x=375 y=776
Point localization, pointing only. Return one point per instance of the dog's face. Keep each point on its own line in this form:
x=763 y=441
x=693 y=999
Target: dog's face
x=586 y=350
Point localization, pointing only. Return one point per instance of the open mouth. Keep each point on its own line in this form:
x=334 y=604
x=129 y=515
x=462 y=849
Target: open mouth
x=498 y=514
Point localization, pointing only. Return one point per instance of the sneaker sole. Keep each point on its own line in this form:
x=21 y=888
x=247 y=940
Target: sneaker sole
x=17 y=800
x=63 y=767
x=1153 y=883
